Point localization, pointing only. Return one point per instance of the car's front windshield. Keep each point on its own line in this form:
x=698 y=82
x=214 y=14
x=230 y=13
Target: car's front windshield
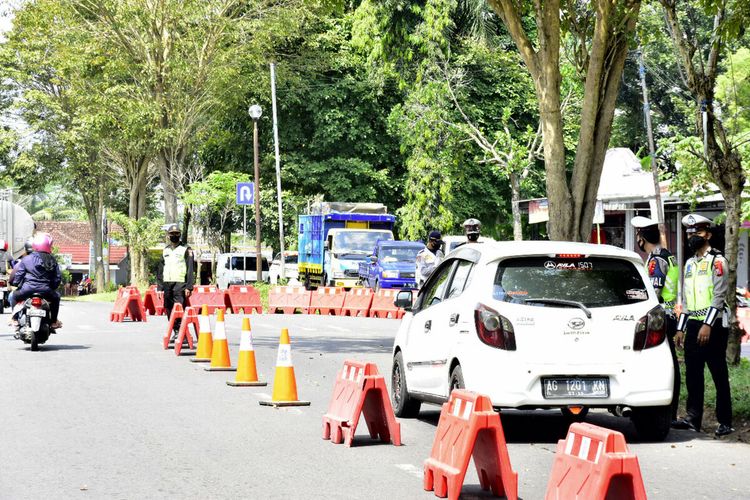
x=356 y=244
x=399 y=254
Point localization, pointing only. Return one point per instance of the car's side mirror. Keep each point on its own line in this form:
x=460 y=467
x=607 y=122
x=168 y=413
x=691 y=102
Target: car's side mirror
x=373 y=258
x=404 y=300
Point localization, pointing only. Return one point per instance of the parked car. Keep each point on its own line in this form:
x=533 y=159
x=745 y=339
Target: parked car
x=538 y=325
x=239 y=269
x=290 y=267
x=451 y=242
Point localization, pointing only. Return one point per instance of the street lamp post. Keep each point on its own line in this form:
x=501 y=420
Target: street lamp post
x=255 y=113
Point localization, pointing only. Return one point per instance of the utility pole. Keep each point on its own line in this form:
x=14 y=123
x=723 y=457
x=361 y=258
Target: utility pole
x=278 y=170
x=652 y=152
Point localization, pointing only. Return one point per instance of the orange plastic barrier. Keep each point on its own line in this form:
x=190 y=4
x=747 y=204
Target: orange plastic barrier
x=245 y=299
x=360 y=389
x=594 y=463
x=357 y=302
x=153 y=301
x=382 y=304
x=190 y=318
x=128 y=304
x=211 y=296
x=177 y=313
x=327 y=300
x=469 y=427
x=743 y=316
x=288 y=299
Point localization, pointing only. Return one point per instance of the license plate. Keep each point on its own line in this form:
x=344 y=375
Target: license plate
x=40 y=313
x=575 y=387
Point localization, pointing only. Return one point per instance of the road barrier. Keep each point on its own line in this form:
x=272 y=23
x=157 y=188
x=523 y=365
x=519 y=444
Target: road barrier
x=360 y=389
x=247 y=372
x=327 y=301
x=288 y=299
x=205 y=338
x=153 y=301
x=220 y=361
x=128 y=304
x=383 y=306
x=284 y=383
x=469 y=425
x=245 y=299
x=210 y=296
x=357 y=302
x=594 y=463
x=190 y=318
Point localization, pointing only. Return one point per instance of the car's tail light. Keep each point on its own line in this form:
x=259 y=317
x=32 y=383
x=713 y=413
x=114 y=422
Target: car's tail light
x=493 y=329
x=569 y=255
x=36 y=302
x=650 y=330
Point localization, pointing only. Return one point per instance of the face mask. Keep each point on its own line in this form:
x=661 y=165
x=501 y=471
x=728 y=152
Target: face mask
x=473 y=236
x=641 y=245
x=174 y=238
x=696 y=243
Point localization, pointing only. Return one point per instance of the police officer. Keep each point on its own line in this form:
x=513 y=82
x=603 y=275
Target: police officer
x=175 y=274
x=664 y=274
x=702 y=327
x=471 y=229
x=429 y=257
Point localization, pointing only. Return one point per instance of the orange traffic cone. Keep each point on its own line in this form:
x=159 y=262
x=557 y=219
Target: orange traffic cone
x=220 y=349
x=205 y=340
x=284 y=384
x=247 y=373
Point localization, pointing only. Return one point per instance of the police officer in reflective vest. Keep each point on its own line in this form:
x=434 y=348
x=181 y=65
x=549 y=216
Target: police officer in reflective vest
x=175 y=276
x=664 y=274
x=703 y=326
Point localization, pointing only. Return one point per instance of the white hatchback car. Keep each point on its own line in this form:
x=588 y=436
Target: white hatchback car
x=538 y=324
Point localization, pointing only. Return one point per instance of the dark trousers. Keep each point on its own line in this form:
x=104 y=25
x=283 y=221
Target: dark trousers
x=671 y=330
x=714 y=355
x=52 y=297
x=174 y=293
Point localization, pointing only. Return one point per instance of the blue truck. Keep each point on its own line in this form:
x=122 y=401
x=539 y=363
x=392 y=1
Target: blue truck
x=392 y=265
x=334 y=238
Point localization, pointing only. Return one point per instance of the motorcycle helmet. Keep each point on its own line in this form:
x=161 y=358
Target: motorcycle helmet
x=471 y=228
x=3 y=245
x=28 y=246
x=42 y=243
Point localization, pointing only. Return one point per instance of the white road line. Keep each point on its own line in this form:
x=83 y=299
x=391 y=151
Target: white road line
x=411 y=469
x=84 y=327
x=262 y=395
x=337 y=328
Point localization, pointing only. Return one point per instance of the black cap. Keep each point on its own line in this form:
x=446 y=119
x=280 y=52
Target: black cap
x=173 y=228
x=435 y=235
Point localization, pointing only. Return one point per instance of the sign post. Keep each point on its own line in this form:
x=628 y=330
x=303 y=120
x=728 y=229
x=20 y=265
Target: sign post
x=245 y=197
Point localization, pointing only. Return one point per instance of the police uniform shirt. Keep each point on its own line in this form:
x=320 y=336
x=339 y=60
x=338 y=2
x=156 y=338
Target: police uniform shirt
x=665 y=283
x=426 y=262
x=697 y=269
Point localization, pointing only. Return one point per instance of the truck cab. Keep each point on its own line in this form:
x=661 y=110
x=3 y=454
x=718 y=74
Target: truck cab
x=391 y=265
x=346 y=250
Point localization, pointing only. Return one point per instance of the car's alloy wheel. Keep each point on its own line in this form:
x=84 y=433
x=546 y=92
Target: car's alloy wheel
x=403 y=405
x=457 y=379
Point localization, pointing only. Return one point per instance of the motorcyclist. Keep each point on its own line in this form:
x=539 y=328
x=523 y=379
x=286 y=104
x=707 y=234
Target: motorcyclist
x=39 y=273
x=28 y=248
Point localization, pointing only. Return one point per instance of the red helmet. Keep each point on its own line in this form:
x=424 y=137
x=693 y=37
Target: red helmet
x=3 y=245
x=42 y=243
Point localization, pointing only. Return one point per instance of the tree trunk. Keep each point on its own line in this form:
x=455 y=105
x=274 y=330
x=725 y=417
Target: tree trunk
x=186 y=224
x=170 y=195
x=515 y=186
x=733 y=202
x=138 y=194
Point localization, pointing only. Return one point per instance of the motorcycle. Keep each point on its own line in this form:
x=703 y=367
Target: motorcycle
x=84 y=287
x=34 y=321
x=4 y=291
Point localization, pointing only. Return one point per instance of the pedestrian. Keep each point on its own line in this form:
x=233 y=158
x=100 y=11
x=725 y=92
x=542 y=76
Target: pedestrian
x=664 y=274
x=175 y=275
x=471 y=229
x=429 y=257
x=38 y=273
x=703 y=326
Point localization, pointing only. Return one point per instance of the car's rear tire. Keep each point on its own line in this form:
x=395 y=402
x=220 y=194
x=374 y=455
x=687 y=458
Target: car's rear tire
x=652 y=422
x=404 y=406
x=457 y=379
x=573 y=417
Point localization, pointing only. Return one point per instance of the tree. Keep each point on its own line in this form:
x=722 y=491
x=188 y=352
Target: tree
x=598 y=35
x=700 y=58
x=139 y=235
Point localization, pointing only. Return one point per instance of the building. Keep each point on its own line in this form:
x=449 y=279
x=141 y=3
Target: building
x=72 y=239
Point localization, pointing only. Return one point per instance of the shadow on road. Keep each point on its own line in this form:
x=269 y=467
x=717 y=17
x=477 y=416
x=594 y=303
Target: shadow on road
x=60 y=347
x=550 y=426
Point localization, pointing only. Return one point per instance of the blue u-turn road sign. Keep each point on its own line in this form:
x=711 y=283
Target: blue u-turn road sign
x=245 y=193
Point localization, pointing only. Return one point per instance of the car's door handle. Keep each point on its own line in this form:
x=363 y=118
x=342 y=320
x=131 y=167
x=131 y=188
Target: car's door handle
x=453 y=319
x=427 y=325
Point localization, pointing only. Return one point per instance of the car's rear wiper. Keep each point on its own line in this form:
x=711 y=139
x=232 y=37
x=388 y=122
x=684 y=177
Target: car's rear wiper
x=562 y=302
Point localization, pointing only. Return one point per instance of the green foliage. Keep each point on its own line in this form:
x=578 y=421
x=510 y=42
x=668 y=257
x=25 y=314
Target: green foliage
x=692 y=179
x=138 y=235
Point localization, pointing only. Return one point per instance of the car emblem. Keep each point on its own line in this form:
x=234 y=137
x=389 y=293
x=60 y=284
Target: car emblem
x=550 y=264
x=576 y=324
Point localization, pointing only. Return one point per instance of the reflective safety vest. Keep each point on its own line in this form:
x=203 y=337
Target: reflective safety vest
x=175 y=267
x=672 y=281
x=699 y=286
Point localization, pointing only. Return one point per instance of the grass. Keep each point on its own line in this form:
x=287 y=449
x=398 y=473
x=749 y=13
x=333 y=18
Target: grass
x=739 y=381
x=93 y=297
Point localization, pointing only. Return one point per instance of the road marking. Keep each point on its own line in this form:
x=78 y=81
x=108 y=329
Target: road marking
x=411 y=469
x=85 y=327
x=262 y=395
x=337 y=328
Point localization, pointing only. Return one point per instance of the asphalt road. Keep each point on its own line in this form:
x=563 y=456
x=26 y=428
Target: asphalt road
x=103 y=412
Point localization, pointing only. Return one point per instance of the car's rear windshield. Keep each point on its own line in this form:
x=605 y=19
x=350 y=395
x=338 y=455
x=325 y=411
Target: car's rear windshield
x=592 y=281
